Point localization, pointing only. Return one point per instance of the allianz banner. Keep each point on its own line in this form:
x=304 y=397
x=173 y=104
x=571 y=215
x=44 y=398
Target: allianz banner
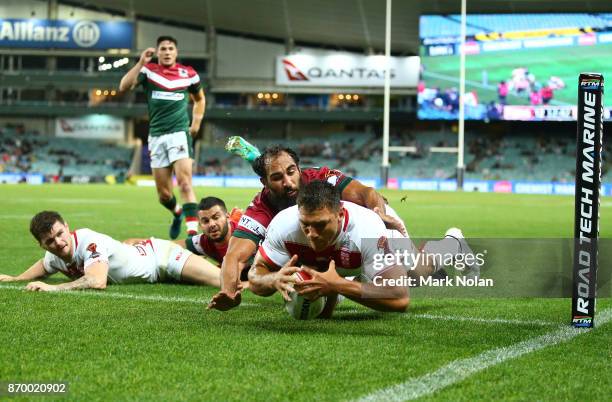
x=65 y=34
x=345 y=70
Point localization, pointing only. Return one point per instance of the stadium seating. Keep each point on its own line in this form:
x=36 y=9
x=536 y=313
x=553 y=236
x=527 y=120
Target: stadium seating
x=517 y=157
x=439 y=26
x=34 y=153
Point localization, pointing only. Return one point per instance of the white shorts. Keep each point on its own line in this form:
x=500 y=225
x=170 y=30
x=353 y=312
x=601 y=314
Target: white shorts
x=171 y=259
x=168 y=148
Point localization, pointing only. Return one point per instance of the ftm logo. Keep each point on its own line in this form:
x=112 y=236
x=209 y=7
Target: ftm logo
x=591 y=83
x=293 y=73
x=582 y=321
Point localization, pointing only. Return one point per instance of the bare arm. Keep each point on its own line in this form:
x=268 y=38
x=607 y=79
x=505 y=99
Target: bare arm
x=238 y=253
x=199 y=106
x=37 y=270
x=367 y=197
x=130 y=79
x=363 y=195
x=95 y=277
x=377 y=295
x=264 y=281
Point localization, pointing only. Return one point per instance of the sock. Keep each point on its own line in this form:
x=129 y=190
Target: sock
x=191 y=218
x=438 y=251
x=172 y=206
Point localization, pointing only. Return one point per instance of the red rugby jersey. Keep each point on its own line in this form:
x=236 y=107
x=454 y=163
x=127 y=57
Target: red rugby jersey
x=259 y=214
x=202 y=245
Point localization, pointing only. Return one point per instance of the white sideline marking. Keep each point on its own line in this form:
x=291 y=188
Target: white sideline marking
x=29 y=216
x=483 y=320
x=469 y=319
x=459 y=370
x=131 y=296
x=113 y=295
x=67 y=200
x=176 y=299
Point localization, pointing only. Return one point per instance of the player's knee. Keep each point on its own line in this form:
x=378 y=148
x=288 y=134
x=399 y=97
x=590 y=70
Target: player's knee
x=164 y=196
x=185 y=187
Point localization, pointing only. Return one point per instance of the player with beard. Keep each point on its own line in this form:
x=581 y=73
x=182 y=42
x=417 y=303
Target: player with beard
x=217 y=226
x=280 y=173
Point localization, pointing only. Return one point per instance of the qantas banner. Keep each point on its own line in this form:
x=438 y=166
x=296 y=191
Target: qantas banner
x=98 y=126
x=345 y=70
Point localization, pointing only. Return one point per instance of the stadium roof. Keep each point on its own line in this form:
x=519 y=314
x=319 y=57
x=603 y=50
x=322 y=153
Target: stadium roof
x=342 y=24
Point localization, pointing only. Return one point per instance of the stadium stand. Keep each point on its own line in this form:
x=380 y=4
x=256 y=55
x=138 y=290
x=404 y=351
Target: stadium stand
x=511 y=157
x=31 y=152
x=439 y=26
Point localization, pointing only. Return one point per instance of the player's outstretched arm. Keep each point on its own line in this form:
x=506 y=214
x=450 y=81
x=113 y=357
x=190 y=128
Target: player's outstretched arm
x=95 y=278
x=381 y=298
x=199 y=106
x=130 y=79
x=264 y=281
x=238 y=253
x=367 y=197
x=37 y=270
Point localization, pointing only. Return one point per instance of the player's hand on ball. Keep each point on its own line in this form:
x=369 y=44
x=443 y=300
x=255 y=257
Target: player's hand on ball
x=321 y=284
x=147 y=55
x=391 y=222
x=284 y=279
x=40 y=287
x=7 y=278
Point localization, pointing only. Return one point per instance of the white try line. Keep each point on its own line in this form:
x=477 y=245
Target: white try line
x=176 y=299
x=484 y=320
x=29 y=216
x=115 y=295
x=130 y=296
x=469 y=319
x=459 y=370
x=76 y=201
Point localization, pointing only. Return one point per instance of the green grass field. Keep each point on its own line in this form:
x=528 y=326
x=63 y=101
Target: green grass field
x=564 y=62
x=157 y=342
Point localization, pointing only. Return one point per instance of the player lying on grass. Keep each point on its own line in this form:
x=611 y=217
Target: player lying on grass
x=332 y=240
x=281 y=176
x=217 y=226
x=94 y=259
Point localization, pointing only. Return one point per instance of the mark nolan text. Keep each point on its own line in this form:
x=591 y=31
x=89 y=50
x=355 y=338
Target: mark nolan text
x=459 y=281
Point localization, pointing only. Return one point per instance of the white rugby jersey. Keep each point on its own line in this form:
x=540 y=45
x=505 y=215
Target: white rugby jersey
x=126 y=264
x=353 y=256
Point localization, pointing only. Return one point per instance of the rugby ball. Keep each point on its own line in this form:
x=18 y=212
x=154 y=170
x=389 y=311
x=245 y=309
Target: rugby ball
x=301 y=308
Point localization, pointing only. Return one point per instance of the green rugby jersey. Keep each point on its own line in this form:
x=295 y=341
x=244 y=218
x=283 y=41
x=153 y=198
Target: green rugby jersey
x=167 y=92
